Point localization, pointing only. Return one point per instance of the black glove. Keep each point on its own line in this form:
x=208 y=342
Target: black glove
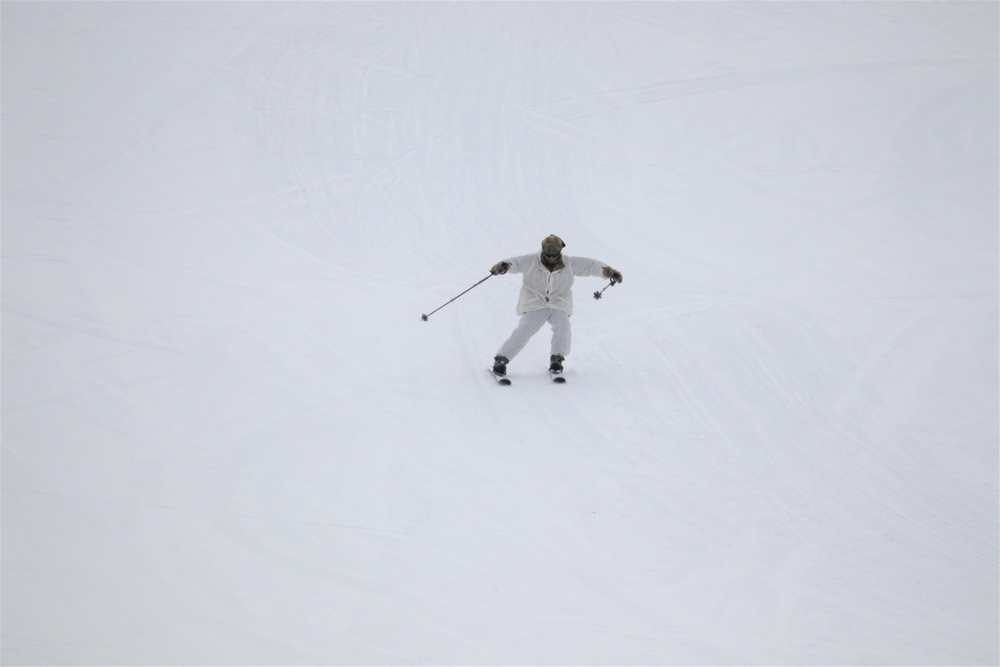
x=500 y=268
x=615 y=276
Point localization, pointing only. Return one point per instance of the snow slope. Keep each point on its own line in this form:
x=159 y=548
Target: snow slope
x=228 y=438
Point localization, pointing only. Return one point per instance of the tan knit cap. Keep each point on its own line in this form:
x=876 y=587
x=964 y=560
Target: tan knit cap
x=552 y=245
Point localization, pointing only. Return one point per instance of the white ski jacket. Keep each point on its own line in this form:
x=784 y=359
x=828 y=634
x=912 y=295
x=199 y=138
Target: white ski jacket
x=541 y=288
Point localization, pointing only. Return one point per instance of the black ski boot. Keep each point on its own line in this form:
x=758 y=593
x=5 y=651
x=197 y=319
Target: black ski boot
x=500 y=365
x=556 y=363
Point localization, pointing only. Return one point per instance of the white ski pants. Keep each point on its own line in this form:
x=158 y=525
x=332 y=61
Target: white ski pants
x=529 y=325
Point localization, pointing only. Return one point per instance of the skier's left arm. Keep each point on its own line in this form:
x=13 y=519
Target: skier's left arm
x=584 y=266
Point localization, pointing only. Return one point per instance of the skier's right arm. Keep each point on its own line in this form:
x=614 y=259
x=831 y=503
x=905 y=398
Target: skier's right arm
x=517 y=264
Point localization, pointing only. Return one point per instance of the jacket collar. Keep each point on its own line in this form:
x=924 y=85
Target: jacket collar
x=552 y=267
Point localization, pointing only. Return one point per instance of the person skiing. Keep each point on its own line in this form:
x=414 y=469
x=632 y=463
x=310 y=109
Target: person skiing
x=546 y=296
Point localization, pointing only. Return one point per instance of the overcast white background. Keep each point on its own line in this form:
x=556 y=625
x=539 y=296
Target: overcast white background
x=228 y=437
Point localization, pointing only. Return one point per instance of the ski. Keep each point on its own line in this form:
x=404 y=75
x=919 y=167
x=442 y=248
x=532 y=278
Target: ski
x=501 y=379
x=505 y=381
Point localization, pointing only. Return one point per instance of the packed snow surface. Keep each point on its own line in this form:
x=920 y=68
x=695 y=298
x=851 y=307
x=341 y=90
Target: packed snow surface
x=228 y=437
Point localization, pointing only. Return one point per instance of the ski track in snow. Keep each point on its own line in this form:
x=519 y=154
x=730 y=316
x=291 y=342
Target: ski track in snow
x=227 y=437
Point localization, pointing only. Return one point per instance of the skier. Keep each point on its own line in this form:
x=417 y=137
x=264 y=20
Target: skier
x=546 y=296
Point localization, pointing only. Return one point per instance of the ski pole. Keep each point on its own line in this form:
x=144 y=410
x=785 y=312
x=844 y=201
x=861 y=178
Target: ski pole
x=424 y=317
x=597 y=295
